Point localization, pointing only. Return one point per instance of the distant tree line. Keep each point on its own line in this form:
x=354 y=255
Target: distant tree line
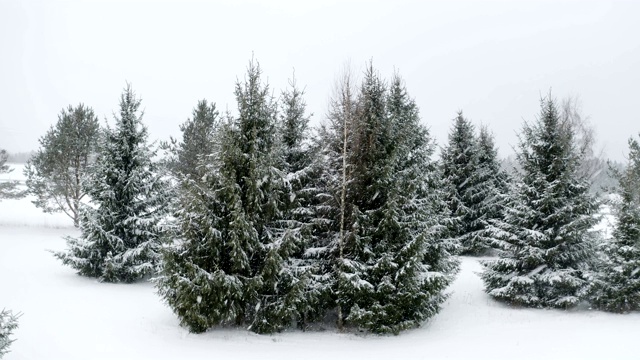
x=256 y=219
x=19 y=157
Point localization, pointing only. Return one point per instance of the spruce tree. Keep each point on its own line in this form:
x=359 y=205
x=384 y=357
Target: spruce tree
x=8 y=189
x=298 y=293
x=617 y=285
x=121 y=230
x=490 y=192
x=460 y=165
x=8 y=323
x=198 y=141
x=224 y=266
x=393 y=267
x=334 y=141
x=366 y=194
x=545 y=233
x=55 y=174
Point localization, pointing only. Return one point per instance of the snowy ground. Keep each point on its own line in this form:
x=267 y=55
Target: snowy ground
x=66 y=316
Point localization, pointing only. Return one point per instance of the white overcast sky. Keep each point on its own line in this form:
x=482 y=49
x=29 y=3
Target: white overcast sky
x=491 y=59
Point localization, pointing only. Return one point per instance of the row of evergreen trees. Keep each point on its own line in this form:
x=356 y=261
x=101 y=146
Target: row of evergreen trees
x=264 y=225
x=261 y=221
x=277 y=227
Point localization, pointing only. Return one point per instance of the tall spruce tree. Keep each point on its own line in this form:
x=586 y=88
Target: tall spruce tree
x=365 y=193
x=186 y=159
x=8 y=188
x=121 y=231
x=545 y=233
x=490 y=192
x=299 y=292
x=55 y=174
x=391 y=267
x=617 y=285
x=225 y=265
x=332 y=215
x=460 y=169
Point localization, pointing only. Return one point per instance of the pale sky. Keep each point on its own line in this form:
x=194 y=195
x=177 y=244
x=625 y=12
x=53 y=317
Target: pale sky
x=492 y=59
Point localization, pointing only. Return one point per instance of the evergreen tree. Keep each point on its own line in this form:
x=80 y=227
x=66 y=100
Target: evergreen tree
x=120 y=237
x=224 y=266
x=57 y=170
x=489 y=192
x=8 y=189
x=545 y=233
x=296 y=294
x=197 y=142
x=8 y=323
x=460 y=168
x=365 y=195
x=392 y=267
x=332 y=211
x=617 y=286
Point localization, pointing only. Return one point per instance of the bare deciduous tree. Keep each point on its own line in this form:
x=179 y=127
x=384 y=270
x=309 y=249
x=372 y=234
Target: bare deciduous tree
x=591 y=163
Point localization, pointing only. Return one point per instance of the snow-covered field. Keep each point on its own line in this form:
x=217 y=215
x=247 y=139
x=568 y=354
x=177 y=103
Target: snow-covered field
x=66 y=316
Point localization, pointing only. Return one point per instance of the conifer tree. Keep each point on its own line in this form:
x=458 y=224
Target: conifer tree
x=55 y=174
x=121 y=230
x=335 y=140
x=8 y=189
x=489 y=193
x=198 y=141
x=460 y=165
x=617 y=285
x=366 y=194
x=8 y=323
x=224 y=266
x=299 y=292
x=392 y=267
x=545 y=233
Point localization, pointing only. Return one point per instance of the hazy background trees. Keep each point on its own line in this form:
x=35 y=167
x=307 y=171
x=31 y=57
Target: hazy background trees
x=8 y=188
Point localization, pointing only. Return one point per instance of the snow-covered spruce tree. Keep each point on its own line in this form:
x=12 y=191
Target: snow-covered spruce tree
x=55 y=174
x=393 y=268
x=225 y=265
x=332 y=211
x=490 y=191
x=8 y=189
x=297 y=291
x=197 y=142
x=121 y=231
x=8 y=323
x=545 y=233
x=617 y=285
x=459 y=161
x=489 y=162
